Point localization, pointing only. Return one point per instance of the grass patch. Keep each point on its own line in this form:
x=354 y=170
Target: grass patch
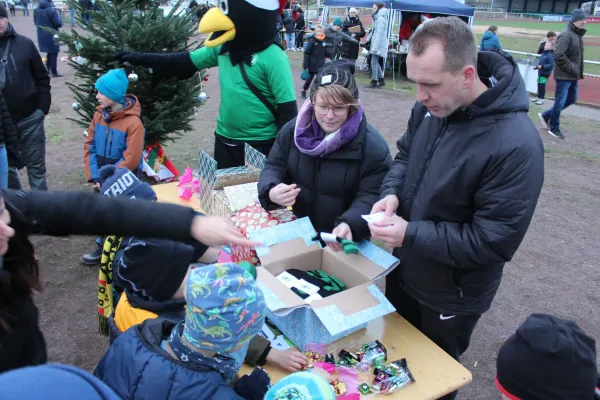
x=530 y=45
x=579 y=155
x=592 y=29
x=55 y=135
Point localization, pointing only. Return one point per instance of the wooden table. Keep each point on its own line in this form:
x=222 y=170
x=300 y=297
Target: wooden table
x=436 y=373
x=168 y=193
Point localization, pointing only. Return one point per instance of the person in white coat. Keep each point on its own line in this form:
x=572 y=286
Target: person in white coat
x=379 y=44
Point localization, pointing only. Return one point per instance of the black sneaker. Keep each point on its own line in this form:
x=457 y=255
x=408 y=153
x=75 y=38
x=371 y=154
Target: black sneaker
x=303 y=94
x=92 y=258
x=381 y=82
x=372 y=85
x=545 y=121
x=556 y=133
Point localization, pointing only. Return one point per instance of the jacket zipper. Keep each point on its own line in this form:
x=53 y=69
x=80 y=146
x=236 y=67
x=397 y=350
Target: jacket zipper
x=111 y=138
x=106 y=139
x=314 y=196
x=427 y=161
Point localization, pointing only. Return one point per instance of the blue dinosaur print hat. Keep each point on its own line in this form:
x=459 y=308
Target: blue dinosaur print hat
x=225 y=308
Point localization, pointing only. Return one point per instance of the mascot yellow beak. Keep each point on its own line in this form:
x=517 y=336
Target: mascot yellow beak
x=220 y=27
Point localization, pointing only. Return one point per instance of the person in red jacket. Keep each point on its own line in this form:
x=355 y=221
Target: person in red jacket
x=408 y=27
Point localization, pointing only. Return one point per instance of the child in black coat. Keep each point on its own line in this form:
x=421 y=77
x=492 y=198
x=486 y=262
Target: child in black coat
x=317 y=51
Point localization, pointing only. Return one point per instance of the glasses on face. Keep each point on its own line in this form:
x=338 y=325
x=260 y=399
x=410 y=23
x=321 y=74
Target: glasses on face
x=324 y=109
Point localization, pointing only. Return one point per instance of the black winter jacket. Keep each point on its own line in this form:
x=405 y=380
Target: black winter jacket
x=315 y=54
x=61 y=214
x=568 y=54
x=350 y=49
x=339 y=187
x=468 y=185
x=27 y=81
x=300 y=23
x=9 y=136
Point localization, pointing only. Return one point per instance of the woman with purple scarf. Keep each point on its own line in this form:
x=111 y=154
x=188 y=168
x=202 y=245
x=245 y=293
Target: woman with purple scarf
x=329 y=162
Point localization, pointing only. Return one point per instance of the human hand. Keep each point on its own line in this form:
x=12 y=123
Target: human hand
x=390 y=231
x=217 y=231
x=388 y=204
x=342 y=230
x=284 y=195
x=6 y=232
x=354 y=35
x=290 y=360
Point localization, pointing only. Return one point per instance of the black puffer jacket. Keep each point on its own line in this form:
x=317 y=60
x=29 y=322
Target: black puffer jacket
x=9 y=136
x=27 y=82
x=350 y=49
x=339 y=187
x=315 y=54
x=61 y=214
x=468 y=185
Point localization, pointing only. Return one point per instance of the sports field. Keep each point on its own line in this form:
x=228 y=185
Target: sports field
x=593 y=29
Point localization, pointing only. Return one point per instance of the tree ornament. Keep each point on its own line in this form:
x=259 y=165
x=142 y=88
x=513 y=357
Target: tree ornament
x=76 y=106
x=202 y=97
x=56 y=38
x=206 y=79
x=133 y=77
x=80 y=60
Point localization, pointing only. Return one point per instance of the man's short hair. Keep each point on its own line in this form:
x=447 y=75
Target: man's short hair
x=493 y=28
x=457 y=40
x=379 y=5
x=550 y=34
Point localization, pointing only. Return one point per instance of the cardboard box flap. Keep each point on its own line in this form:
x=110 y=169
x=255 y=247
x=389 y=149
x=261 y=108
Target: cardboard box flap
x=372 y=261
x=208 y=172
x=278 y=297
x=336 y=322
x=298 y=229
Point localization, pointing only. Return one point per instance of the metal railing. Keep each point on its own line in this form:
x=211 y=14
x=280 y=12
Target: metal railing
x=532 y=56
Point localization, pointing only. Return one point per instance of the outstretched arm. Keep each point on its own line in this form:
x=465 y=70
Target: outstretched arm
x=164 y=65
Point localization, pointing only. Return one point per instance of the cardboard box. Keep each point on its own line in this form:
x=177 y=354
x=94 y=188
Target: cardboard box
x=322 y=321
x=212 y=180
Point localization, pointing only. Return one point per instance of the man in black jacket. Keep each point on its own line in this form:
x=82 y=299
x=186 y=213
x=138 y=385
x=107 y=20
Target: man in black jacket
x=464 y=184
x=27 y=94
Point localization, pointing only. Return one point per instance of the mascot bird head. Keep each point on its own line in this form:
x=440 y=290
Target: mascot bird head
x=243 y=26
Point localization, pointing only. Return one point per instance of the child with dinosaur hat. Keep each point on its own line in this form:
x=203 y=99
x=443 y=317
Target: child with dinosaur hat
x=197 y=358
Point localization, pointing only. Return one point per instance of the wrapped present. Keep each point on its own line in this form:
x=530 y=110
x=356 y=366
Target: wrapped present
x=253 y=218
x=156 y=165
x=212 y=181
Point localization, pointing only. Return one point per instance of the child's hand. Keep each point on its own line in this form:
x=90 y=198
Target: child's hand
x=290 y=360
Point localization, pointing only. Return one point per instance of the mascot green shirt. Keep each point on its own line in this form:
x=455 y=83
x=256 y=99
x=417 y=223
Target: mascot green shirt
x=242 y=116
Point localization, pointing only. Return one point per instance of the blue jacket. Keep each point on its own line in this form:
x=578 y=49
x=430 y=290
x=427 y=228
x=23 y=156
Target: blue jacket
x=547 y=63
x=117 y=141
x=136 y=367
x=45 y=15
x=489 y=41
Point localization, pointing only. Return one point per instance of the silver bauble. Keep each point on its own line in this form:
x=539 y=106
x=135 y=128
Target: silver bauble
x=202 y=97
x=56 y=38
x=76 y=106
x=133 y=77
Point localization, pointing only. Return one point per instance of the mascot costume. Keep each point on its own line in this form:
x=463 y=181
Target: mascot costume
x=257 y=89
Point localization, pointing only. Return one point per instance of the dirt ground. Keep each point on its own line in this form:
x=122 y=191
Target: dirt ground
x=555 y=271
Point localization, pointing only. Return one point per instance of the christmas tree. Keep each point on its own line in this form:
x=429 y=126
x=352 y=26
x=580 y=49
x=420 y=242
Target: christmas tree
x=168 y=106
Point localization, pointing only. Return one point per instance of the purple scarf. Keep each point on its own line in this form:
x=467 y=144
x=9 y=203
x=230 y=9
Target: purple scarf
x=310 y=139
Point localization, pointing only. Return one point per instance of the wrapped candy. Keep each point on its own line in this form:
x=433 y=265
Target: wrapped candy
x=399 y=377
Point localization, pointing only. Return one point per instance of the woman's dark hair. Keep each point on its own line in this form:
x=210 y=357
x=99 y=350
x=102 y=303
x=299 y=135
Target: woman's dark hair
x=20 y=274
x=379 y=5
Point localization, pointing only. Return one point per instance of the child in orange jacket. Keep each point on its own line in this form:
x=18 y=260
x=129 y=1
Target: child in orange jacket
x=115 y=136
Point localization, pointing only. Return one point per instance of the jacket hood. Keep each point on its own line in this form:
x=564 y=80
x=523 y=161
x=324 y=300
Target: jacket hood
x=133 y=107
x=577 y=30
x=9 y=33
x=488 y=35
x=45 y=4
x=152 y=332
x=383 y=13
x=507 y=95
